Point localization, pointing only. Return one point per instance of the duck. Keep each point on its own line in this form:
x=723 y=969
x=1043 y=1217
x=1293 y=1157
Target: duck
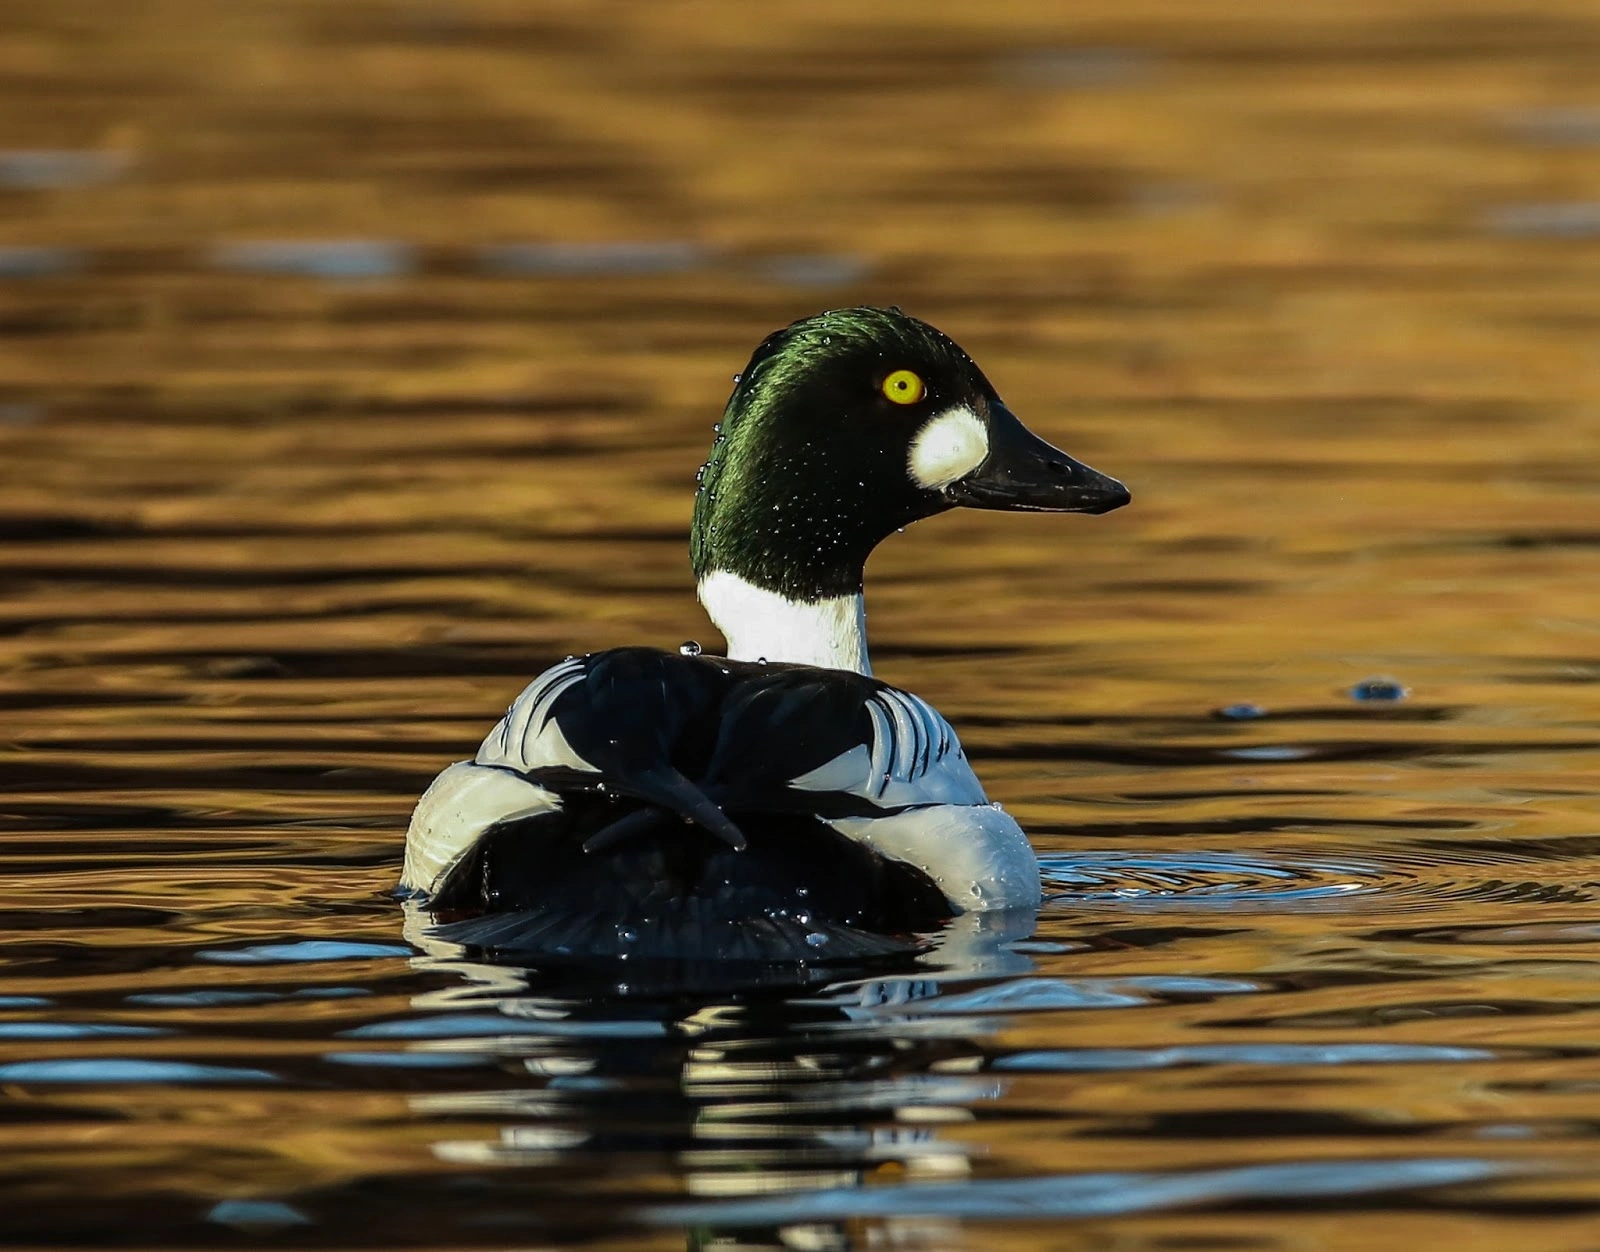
x=777 y=803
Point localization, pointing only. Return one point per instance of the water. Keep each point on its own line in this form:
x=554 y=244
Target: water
x=357 y=363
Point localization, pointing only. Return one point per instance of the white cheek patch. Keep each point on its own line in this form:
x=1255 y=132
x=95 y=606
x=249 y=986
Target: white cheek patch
x=948 y=447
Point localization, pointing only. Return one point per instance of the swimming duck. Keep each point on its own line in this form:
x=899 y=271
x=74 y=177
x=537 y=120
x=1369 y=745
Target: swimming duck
x=776 y=803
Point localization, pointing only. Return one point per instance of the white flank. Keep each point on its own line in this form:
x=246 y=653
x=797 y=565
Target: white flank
x=763 y=625
x=949 y=447
x=458 y=806
x=976 y=853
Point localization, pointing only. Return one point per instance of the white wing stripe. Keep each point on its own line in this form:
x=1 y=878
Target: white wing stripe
x=908 y=760
x=539 y=716
x=903 y=745
x=528 y=737
x=882 y=749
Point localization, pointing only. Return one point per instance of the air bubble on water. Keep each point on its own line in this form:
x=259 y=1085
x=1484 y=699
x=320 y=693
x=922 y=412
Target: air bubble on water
x=689 y=647
x=816 y=940
x=1242 y=712
x=1378 y=689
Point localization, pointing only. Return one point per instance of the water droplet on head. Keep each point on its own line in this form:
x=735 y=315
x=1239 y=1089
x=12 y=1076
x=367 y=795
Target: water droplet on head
x=688 y=648
x=738 y=378
x=827 y=340
x=716 y=428
x=761 y=660
x=816 y=940
x=1243 y=712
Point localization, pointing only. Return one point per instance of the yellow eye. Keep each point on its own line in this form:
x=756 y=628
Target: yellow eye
x=904 y=387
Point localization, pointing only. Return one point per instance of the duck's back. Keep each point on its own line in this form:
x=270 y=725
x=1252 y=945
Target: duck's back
x=639 y=801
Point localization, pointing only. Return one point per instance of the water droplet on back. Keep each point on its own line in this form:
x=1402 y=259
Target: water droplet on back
x=816 y=940
x=689 y=648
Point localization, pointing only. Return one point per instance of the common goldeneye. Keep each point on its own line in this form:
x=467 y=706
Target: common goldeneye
x=778 y=803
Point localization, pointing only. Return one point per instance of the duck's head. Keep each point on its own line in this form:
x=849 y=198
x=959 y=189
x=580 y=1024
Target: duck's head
x=847 y=426
x=842 y=429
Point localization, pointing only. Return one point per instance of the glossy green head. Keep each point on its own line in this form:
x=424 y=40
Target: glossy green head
x=845 y=427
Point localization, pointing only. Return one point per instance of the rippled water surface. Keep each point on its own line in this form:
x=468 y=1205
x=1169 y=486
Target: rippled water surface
x=355 y=362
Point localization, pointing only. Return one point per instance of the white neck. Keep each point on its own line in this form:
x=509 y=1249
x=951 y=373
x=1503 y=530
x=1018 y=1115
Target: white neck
x=763 y=625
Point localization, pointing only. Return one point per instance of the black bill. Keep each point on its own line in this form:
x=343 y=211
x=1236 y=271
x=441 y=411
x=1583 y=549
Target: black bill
x=1023 y=472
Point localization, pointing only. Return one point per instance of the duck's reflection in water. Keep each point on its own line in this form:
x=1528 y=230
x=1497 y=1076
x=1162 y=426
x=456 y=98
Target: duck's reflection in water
x=662 y=1083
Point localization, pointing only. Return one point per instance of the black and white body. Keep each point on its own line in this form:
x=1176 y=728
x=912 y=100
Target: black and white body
x=778 y=803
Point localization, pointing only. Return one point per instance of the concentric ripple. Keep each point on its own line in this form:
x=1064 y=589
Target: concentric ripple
x=1204 y=879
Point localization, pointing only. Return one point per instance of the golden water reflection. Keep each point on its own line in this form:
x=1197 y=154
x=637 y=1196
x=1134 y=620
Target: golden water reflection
x=355 y=361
